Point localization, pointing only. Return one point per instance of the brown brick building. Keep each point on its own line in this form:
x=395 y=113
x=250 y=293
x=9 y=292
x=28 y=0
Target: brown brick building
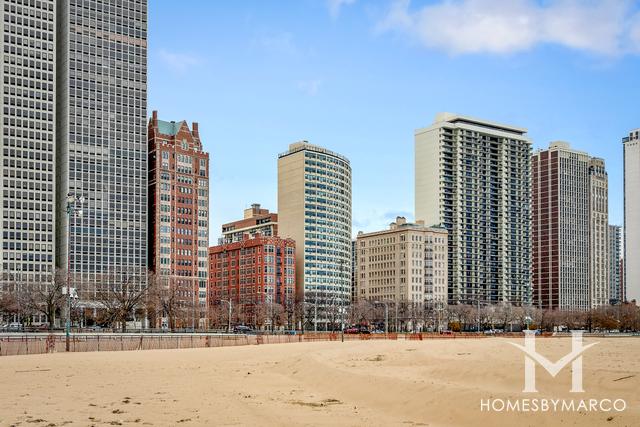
x=256 y=220
x=179 y=219
x=252 y=273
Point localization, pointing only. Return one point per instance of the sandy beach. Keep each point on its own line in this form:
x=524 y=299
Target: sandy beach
x=372 y=383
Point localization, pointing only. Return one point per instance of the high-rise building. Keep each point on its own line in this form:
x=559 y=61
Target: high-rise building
x=632 y=215
x=102 y=140
x=615 y=259
x=27 y=125
x=473 y=178
x=179 y=213
x=252 y=272
x=354 y=271
x=405 y=264
x=570 y=229
x=255 y=220
x=314 y=209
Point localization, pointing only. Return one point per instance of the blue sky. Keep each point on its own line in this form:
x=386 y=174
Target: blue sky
x=358 y=77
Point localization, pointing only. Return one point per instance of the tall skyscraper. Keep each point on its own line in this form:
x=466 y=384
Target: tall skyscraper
x=314 y=209
x=405 y=264
x=632 y=215
x=615 y=257
x=570 y=229
x=101 y=140
x=598 y=233
x=179 y=214
x=28 y=171
x=473 y=177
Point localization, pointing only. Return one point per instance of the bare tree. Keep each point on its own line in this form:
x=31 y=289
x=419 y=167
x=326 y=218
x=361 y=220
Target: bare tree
x=122 y=296
x=46 y=296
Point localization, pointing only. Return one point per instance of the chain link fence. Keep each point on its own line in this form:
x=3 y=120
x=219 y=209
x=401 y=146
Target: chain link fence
x=24 y=344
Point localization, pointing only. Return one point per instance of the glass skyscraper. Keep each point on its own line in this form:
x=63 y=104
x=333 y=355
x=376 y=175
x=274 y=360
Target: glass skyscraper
x=101 y=139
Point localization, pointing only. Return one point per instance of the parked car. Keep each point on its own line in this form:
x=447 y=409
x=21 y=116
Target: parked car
x=351 y=330
x=242 y=329
x=15 y=326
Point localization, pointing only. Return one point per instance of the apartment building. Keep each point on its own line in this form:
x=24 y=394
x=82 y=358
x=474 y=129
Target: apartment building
x=570 y=229
x=472 y=177
x=27 y=125
x=405 y=264
x=616 y=295
x=179 y=213
x=102 y=141
x=252 y=272
x=256 y=220
x=631 y=144
x=314 y=209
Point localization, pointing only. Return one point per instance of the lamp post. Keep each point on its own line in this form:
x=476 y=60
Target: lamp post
x=74 y=208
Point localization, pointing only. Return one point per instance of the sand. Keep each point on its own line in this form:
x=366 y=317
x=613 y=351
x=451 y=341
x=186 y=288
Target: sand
x=435 y=383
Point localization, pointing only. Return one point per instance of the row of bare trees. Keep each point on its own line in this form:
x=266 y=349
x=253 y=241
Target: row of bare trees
x=156 y=302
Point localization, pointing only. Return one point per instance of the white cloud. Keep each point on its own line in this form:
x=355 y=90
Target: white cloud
x=335 y=6
x=277 y=42
x=501 y=27
x=310 y=87
x=178 y=62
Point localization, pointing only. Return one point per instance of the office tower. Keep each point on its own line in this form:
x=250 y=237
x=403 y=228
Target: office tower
x=598 y=233
x=632 y=215
x=570 y=229
x=179 y=213
x=252 y=272
x=255 y=220
x=615 y=259
x=405 y=264
x=314 y=209
x=28 y=171
x=473 y=178
x=101 y=141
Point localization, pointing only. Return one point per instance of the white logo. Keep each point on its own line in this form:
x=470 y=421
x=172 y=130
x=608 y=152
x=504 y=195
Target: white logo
x=531 y=357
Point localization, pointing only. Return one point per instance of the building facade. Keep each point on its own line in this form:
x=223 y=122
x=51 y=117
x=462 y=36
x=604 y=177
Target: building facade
x=354 y=270
x=632 y=215
x=598 y=233
x=27 y=126
x=405 y=264
x=570 y=229
x=255 y=220
x=473 y=178
x=314 y=209
x=101 y=141
x=179 y=214
x=253 y=273
x=616 y=295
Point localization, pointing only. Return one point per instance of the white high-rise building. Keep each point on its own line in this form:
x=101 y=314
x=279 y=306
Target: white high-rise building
x=27 y=129
x=598 y=233
x=314 y=209
x=632 y=215
x=473 y=178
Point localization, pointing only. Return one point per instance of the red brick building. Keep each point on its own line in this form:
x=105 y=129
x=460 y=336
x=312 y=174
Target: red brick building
x=179 y=216
x=252 y=272
x=256 y=220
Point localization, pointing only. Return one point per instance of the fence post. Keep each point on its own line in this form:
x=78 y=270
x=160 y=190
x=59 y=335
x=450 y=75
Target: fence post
x=121 y=343
x=98 y=342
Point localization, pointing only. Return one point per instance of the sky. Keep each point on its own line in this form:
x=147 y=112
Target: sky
x=358 y=77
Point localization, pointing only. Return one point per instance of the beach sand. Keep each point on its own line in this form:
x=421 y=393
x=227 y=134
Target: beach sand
x=357 y=383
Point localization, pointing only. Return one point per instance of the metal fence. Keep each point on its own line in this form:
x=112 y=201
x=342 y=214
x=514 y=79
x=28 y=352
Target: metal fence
x=23 y=344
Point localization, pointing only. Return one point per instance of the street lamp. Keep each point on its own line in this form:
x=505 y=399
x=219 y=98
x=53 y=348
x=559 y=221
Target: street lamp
x=74 y=208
